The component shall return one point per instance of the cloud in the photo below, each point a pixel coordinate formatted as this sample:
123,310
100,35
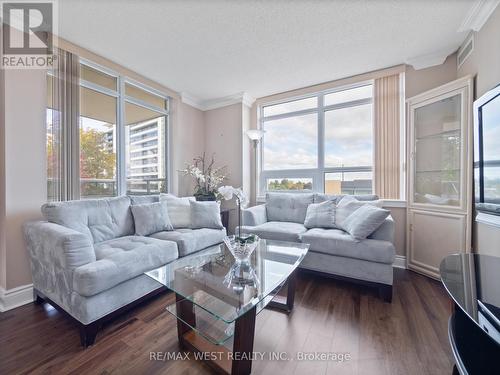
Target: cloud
292,143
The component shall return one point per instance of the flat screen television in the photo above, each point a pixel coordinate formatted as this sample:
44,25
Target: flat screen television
487,152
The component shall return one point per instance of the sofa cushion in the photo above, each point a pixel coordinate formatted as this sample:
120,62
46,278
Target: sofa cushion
318,198
191,240
179,210
287,206
100,219
320,215
205,215
144,199
151,218
364,221
121,259
347,205
276,230
337,242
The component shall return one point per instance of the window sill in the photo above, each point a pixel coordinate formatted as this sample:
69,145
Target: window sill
387,203
488,219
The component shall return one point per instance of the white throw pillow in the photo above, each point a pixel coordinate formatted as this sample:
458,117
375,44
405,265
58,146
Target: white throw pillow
320,215
205,215
179,210
150,218
347,206
364,221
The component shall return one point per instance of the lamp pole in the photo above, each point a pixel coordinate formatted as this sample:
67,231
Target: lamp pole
255,135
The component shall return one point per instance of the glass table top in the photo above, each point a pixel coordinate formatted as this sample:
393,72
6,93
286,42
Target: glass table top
222,290
473,281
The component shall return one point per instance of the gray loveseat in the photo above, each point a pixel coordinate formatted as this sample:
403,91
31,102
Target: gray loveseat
86,260
332,252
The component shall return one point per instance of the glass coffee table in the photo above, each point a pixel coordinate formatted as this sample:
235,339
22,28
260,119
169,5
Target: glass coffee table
217,299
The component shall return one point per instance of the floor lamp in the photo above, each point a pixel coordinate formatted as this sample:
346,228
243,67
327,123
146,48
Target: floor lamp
255,135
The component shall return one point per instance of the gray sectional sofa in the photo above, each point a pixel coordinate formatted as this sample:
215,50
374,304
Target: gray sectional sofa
332,252
87,261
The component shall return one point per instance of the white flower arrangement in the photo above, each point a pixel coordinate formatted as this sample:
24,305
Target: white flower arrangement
206,175
227,193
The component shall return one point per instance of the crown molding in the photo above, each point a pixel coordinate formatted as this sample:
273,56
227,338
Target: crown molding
191,100
207,105
241,97
478,14
428,60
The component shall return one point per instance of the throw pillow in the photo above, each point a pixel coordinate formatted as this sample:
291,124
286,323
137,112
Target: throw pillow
320,215
179,210
364,221
151,218
347,205
205,215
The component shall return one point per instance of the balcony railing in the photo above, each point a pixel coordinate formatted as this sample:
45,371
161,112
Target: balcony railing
103,187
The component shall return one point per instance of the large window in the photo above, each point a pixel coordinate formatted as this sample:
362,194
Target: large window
122,137
320,143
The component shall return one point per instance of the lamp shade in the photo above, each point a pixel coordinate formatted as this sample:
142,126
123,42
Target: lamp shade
255,134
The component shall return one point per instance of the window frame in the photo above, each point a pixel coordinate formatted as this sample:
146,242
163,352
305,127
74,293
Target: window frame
119,94
317,174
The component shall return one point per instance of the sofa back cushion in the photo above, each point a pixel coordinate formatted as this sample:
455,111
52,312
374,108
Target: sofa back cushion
318,198
321,215
144,199
179,210
99,219
151,218
364,221
347,205
287,206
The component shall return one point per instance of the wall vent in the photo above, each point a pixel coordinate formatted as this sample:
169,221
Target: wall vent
465,50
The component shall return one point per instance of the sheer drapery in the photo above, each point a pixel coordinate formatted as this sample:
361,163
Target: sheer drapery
63,127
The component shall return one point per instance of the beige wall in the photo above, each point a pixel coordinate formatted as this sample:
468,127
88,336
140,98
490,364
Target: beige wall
224,130
484,62
25,180
187,141
418,81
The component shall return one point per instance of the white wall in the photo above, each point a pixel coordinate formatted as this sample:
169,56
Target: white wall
24,181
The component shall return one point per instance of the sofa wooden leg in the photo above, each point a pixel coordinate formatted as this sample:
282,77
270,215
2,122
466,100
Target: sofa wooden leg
88,334
385,292
37,299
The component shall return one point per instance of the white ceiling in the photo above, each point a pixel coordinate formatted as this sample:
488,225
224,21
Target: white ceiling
213,49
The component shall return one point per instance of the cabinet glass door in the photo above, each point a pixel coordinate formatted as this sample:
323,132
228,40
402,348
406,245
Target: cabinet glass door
437,152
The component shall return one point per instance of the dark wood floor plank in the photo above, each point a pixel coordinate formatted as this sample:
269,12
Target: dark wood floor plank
405,337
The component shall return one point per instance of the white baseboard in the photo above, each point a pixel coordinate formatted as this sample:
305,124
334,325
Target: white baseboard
15,297
400,261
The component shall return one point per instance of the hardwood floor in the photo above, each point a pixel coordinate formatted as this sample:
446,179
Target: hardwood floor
408,336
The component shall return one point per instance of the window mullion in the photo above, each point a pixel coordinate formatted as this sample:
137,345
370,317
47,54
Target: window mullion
121,173
321,146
